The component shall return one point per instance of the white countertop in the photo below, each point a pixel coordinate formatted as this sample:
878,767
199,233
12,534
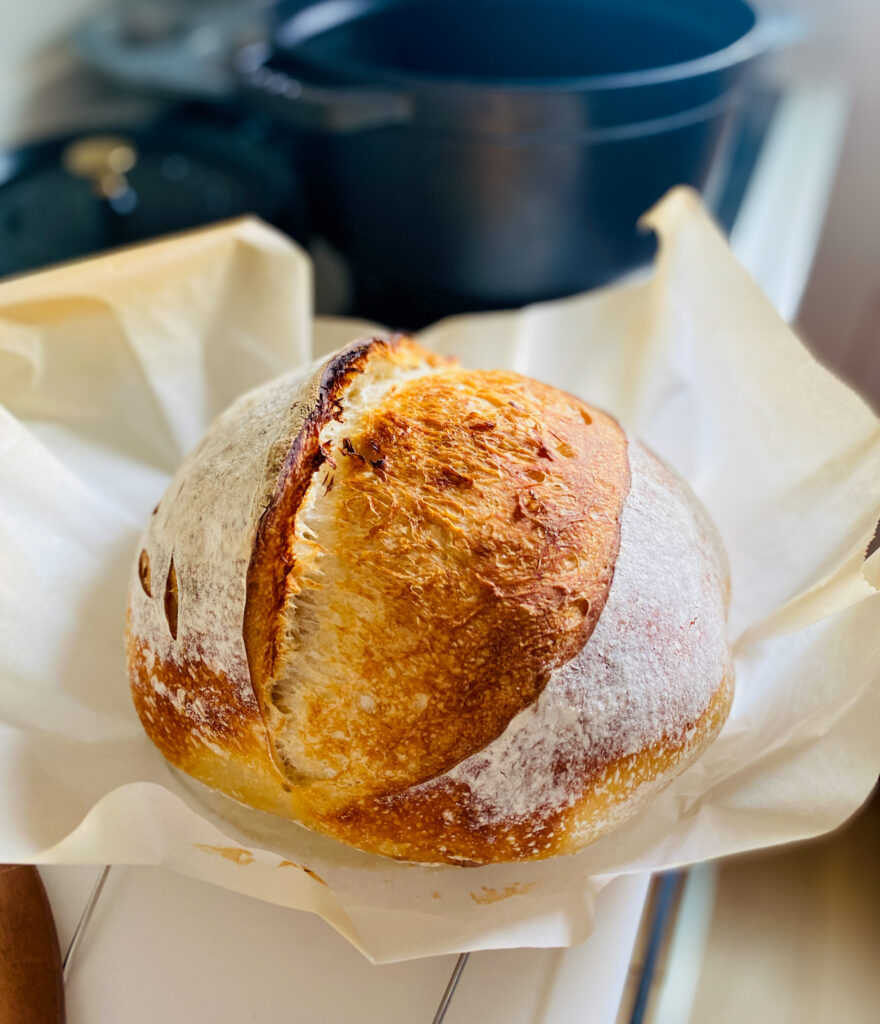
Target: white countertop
164,947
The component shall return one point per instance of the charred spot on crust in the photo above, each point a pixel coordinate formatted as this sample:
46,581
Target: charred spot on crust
171,602
335,410
349,449
144,574
326,452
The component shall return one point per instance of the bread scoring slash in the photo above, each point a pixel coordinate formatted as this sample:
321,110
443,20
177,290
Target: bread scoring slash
442,615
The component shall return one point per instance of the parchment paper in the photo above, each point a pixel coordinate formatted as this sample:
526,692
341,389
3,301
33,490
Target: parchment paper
111,369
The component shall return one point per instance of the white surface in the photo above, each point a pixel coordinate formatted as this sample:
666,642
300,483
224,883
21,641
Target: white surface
165,947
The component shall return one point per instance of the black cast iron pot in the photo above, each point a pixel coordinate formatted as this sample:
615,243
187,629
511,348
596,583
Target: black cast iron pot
491,153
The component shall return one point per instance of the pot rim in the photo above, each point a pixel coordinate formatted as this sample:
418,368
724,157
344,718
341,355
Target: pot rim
768,30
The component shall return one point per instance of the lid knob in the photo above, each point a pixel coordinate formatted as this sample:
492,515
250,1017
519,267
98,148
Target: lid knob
104,160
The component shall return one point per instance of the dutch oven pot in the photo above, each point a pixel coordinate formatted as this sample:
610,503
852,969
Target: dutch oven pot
491,153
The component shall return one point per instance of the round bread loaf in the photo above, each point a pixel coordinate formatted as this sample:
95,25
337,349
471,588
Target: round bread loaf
439,614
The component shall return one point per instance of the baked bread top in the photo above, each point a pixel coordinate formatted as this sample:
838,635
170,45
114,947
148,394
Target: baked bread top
377,599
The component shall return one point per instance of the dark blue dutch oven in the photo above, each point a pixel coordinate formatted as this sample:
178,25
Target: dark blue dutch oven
491,153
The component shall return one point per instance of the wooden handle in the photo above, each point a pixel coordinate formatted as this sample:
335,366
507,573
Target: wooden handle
31,989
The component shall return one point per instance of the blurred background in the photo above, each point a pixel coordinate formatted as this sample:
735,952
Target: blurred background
438,199
440,157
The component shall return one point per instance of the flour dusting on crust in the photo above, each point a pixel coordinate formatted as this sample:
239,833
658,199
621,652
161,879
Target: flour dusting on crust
648,672
210,539
651,685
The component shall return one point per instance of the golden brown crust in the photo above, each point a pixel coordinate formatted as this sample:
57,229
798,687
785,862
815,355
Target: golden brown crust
476,521
524,505
413,825
160,693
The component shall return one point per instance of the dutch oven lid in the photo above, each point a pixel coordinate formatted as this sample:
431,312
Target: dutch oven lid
78,195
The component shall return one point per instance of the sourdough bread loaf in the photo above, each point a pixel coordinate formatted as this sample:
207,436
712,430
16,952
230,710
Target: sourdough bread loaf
442,615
